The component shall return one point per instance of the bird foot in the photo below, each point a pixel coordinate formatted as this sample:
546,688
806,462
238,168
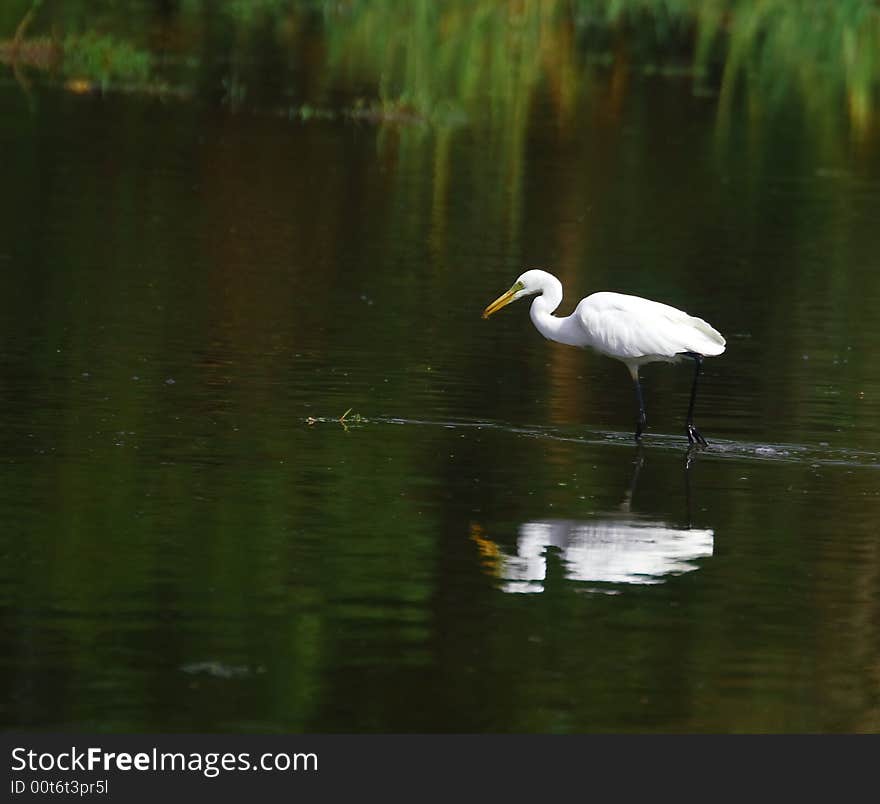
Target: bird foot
641,424
690,457
695,437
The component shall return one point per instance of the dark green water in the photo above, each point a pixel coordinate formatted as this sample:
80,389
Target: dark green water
192,293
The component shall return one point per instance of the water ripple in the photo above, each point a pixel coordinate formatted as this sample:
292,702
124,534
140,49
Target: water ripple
813,454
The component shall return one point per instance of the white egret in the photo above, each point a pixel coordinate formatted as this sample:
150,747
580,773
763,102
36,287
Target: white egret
628,328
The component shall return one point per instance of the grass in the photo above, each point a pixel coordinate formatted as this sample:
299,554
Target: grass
346,419
482,61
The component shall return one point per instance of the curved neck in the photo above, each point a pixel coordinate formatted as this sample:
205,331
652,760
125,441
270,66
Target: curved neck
550,326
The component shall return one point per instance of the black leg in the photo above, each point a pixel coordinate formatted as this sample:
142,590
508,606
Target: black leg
688,462
642,421
694,435
638,463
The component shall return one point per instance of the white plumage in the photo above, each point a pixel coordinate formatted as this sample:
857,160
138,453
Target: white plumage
631,328
628,328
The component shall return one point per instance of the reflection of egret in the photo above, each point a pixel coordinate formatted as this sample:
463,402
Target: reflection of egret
631,329
615,548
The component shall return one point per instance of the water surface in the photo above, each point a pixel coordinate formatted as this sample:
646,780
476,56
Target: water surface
193,292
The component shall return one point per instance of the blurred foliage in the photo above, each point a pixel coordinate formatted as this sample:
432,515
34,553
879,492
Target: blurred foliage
821,51
80,58
482,60
105,59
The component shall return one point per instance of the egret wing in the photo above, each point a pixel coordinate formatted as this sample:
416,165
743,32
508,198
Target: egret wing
630,328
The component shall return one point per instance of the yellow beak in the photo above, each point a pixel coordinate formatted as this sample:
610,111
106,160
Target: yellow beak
502,301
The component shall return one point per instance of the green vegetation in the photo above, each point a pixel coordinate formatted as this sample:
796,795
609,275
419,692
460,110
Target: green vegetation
105,59
823,53
474,60
81,59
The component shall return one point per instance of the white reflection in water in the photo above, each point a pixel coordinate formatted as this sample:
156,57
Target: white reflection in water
614,550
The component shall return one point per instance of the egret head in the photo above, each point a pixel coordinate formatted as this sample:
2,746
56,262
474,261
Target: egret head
528,284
